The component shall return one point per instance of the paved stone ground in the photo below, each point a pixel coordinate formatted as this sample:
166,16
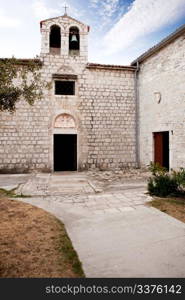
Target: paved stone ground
76,190
112,229
56,184
11,181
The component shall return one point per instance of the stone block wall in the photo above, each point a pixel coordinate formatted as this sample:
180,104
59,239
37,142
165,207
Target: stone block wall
103,110
163,73
107,104
24,138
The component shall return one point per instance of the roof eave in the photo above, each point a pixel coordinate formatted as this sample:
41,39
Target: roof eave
169,39
63,17
110,67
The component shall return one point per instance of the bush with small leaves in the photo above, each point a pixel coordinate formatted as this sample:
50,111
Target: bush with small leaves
29,86
179,176
164,183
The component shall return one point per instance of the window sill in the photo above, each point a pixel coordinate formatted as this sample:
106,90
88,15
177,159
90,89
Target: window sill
65,96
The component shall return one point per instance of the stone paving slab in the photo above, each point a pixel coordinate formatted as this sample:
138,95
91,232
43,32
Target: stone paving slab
129,242
112,245
11,181
114,233
53,185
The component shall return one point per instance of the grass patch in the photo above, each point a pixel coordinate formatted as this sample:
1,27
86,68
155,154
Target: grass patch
8,193
173,206
34,244
12,194
67,251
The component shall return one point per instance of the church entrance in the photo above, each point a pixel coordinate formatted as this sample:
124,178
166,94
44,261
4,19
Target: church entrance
161,148
65,152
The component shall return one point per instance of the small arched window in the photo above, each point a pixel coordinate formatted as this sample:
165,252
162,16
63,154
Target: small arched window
55,39
74,41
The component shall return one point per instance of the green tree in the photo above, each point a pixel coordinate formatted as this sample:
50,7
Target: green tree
19,79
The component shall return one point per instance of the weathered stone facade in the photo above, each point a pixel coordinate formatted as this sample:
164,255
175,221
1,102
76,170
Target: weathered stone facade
114,110
103,109
108,109
162,101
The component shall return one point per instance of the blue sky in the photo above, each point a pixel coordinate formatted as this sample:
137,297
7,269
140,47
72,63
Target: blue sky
121,30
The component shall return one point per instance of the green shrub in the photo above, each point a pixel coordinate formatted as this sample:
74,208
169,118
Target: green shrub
157,169
180,178
163,183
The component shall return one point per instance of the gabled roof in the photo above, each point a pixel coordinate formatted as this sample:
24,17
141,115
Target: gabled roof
64,16
173,36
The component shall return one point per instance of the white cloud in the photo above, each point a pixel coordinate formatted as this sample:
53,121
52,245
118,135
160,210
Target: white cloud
109,7
41,10
94,3
8,22
143,17
105,8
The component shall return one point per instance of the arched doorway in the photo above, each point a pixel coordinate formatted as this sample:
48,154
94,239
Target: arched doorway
65,143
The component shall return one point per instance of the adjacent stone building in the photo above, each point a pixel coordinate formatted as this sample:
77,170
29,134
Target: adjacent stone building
98,116
161,102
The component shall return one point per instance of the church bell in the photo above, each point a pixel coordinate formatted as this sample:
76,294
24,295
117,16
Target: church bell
74,38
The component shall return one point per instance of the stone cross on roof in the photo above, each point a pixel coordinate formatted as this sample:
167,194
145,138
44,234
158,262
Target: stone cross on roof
65,7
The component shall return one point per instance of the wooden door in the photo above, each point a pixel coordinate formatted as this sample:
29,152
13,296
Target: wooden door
158,148
161,148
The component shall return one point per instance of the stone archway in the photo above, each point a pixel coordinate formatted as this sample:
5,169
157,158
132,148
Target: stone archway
65,143
64,121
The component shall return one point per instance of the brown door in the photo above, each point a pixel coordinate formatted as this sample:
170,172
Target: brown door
158,148
161,148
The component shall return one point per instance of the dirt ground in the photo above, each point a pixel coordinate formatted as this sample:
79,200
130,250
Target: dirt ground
34,244
175,207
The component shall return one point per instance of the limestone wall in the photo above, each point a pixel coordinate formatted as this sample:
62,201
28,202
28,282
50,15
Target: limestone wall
108,108
163,73
103,108
24,138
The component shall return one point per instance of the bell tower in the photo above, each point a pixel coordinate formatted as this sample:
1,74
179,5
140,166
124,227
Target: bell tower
65,37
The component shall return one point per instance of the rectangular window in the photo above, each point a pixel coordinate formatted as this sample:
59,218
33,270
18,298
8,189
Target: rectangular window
64,87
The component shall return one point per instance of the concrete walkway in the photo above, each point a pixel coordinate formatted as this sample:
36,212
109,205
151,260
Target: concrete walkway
114,233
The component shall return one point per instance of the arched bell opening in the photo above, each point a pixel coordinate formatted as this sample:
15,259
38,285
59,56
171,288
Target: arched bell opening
74,41
55,40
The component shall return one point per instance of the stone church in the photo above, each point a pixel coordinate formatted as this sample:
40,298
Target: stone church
95,115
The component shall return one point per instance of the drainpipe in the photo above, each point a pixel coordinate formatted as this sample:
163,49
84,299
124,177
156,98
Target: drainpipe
137,125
